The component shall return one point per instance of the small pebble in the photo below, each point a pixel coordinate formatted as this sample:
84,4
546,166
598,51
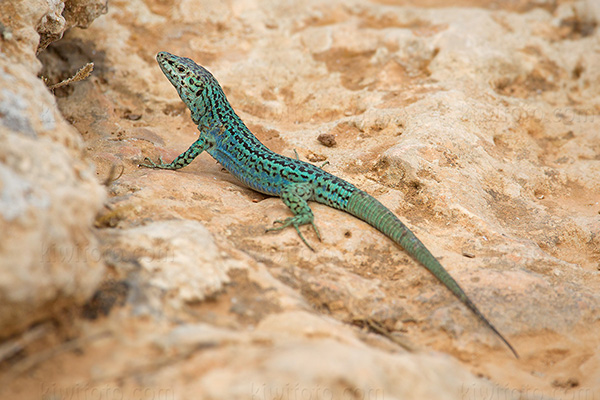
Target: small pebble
327,139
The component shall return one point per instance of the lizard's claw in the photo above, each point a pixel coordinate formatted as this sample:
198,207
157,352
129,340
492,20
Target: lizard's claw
316,231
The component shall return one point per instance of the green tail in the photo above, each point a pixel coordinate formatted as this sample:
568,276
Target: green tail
370,210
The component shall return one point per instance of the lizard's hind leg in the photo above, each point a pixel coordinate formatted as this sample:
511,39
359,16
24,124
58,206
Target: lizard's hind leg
296,196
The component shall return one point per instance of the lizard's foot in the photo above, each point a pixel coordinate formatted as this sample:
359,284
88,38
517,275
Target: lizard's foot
160,164
296,222
296,196
148,163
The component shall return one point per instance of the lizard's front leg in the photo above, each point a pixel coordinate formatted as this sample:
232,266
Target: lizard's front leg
296,196
205,142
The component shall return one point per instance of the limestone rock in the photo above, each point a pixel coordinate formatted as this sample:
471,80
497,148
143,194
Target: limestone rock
174,262
49,195
476,124
63,15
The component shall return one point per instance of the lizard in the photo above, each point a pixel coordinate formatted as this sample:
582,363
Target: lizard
226,138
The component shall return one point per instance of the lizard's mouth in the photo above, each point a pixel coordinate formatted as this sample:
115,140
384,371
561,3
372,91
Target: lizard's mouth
167,62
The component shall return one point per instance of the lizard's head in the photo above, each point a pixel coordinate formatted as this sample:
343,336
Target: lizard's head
196,86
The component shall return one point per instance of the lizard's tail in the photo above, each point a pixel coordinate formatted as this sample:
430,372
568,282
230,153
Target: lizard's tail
364,206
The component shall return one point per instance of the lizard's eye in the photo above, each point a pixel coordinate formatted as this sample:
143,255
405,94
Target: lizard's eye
180,69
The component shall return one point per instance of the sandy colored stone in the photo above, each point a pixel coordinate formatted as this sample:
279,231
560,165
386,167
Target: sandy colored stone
477,124
49,195
342,371
63,15
176,262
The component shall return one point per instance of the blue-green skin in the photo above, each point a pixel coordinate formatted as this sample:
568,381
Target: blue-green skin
227,139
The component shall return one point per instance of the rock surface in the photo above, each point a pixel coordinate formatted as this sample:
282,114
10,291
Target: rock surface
49,195
479,125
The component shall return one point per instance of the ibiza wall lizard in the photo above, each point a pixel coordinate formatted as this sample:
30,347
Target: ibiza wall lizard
226,138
